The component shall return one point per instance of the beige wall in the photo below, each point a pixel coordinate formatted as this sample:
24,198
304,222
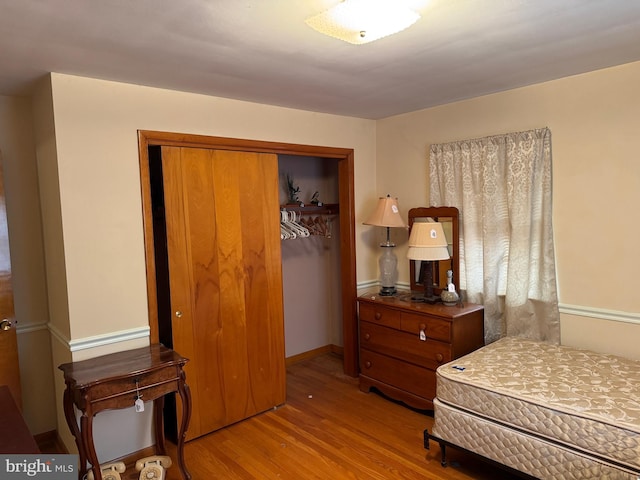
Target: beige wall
594,123
99,209
27,259
95,124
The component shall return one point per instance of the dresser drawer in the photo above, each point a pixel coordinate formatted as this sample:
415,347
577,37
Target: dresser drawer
379,314
434,327
404,346
396,373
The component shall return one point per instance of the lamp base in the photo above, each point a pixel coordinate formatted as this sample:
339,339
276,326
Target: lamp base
388,274
426,299
387,291
428,296
432,299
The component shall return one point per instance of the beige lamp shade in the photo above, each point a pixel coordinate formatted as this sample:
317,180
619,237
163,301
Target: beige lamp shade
427,242
386,214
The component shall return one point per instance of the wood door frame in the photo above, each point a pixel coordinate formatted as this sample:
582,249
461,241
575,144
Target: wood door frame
345,157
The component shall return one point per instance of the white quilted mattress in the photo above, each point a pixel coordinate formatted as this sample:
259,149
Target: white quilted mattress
579,400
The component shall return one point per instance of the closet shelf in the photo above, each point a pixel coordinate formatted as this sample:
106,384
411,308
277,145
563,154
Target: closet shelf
325,209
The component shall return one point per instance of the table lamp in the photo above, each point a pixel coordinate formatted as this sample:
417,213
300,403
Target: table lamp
387,215
427,242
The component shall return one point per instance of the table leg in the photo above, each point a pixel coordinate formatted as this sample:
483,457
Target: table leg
72,422
185,396
158,407
86,429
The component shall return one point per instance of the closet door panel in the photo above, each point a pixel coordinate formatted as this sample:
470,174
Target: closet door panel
183,284
224,248
263,295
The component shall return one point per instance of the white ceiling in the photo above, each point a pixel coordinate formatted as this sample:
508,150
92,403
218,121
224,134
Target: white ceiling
262,50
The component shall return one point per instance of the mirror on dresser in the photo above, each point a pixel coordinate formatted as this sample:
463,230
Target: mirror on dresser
448,217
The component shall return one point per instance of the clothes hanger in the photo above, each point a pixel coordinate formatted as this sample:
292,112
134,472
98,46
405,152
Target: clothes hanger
285,232
293,225
304,231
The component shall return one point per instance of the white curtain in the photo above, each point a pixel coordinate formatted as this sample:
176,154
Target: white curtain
502,187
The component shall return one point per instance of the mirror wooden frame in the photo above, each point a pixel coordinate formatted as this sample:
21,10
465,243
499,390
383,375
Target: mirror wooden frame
439,279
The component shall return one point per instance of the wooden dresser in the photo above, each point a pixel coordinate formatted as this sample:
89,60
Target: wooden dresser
402,342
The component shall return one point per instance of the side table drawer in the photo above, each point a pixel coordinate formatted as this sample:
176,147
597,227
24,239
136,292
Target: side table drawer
433,327
404,346
128,400
380,315
122,392
411,378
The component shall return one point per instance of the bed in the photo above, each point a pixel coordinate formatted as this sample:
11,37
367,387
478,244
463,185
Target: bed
546,411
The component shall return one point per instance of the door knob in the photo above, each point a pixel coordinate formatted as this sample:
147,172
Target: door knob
179,314
6,324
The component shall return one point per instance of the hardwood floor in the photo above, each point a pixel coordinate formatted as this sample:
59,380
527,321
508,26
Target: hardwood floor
328,429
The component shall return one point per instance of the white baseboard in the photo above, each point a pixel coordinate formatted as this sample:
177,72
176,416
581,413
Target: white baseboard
33,327
601,313
100,340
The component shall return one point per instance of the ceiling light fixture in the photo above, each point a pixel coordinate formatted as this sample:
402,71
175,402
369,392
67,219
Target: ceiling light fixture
363,21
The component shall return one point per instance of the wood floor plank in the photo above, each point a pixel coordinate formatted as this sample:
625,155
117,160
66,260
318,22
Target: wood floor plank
328,430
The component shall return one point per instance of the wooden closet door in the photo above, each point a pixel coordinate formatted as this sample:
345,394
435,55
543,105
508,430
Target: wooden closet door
223,242
9,365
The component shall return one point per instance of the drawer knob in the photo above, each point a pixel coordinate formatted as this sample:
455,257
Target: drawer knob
439,357
378,315
367,364
367,336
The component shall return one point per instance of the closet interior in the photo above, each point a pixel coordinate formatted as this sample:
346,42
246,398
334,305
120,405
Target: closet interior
311,262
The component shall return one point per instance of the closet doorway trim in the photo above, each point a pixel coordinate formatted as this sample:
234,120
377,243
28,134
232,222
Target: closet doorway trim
345,157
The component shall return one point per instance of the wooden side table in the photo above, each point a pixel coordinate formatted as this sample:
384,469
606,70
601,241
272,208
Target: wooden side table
115,381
